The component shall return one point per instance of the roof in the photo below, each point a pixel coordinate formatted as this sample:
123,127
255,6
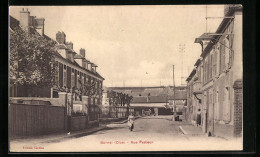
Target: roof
148,91
191,75
204,36
179,95
15,23
61,46
197,62
150,99
139,100
77,56
158,99
222,27
77,65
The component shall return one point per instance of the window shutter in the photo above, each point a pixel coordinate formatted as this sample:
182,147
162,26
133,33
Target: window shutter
231,51
220,102
72,79
217,106
226,114
220,58
223,57
75,78
61,74
56,73
69,77
227,51
217,59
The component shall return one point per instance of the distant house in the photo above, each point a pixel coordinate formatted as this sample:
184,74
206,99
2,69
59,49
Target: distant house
158,100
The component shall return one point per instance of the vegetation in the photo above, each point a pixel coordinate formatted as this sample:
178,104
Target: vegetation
31,59
119,99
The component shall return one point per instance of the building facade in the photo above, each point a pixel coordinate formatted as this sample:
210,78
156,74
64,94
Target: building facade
155,100
73,70
215,83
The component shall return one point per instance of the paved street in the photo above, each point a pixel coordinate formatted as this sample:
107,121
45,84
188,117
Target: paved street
150,134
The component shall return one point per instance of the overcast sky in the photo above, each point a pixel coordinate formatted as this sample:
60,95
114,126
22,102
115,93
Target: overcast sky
133,44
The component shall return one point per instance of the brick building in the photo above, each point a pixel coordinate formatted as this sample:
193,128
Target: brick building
215,85
74,70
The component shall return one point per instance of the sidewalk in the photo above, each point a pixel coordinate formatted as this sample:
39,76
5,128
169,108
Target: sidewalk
191,130
60,136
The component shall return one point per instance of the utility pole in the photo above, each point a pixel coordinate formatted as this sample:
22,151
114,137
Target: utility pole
174,105
182,50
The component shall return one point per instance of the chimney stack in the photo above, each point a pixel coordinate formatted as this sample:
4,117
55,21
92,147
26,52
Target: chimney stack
39,24
25,19
70,45
82,52
61,37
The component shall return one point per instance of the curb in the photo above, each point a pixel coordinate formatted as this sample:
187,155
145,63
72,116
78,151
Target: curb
182,130
87,132
76,135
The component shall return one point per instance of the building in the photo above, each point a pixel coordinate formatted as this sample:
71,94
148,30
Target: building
155,100
74,70
215,85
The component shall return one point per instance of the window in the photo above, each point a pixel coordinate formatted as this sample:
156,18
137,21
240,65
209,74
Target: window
227,53
57,73
72,79
230,51
226,103
217,105
214,71
221,58
206,68
65,76
210,65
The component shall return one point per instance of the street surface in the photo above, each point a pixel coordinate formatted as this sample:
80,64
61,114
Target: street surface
149,134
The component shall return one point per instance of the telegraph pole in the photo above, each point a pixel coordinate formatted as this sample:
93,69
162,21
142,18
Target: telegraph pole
182,50
174,105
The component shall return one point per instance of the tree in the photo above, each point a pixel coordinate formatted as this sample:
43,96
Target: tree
32,62
128,101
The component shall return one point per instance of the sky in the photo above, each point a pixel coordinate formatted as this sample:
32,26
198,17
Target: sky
133,45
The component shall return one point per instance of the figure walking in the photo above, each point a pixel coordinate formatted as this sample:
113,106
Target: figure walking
131,122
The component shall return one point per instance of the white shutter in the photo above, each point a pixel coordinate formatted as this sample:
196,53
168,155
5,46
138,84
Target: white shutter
227,54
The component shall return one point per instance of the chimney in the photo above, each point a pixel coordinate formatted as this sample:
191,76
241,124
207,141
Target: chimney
70,45
39,25
61,37
25,19
82,52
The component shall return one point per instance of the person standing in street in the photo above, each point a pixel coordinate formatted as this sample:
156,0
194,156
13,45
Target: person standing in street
131,122
198,120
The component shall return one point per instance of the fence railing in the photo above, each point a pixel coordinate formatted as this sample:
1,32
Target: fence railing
117,112
31,119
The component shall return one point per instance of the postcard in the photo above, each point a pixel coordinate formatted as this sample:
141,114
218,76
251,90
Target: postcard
125,78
